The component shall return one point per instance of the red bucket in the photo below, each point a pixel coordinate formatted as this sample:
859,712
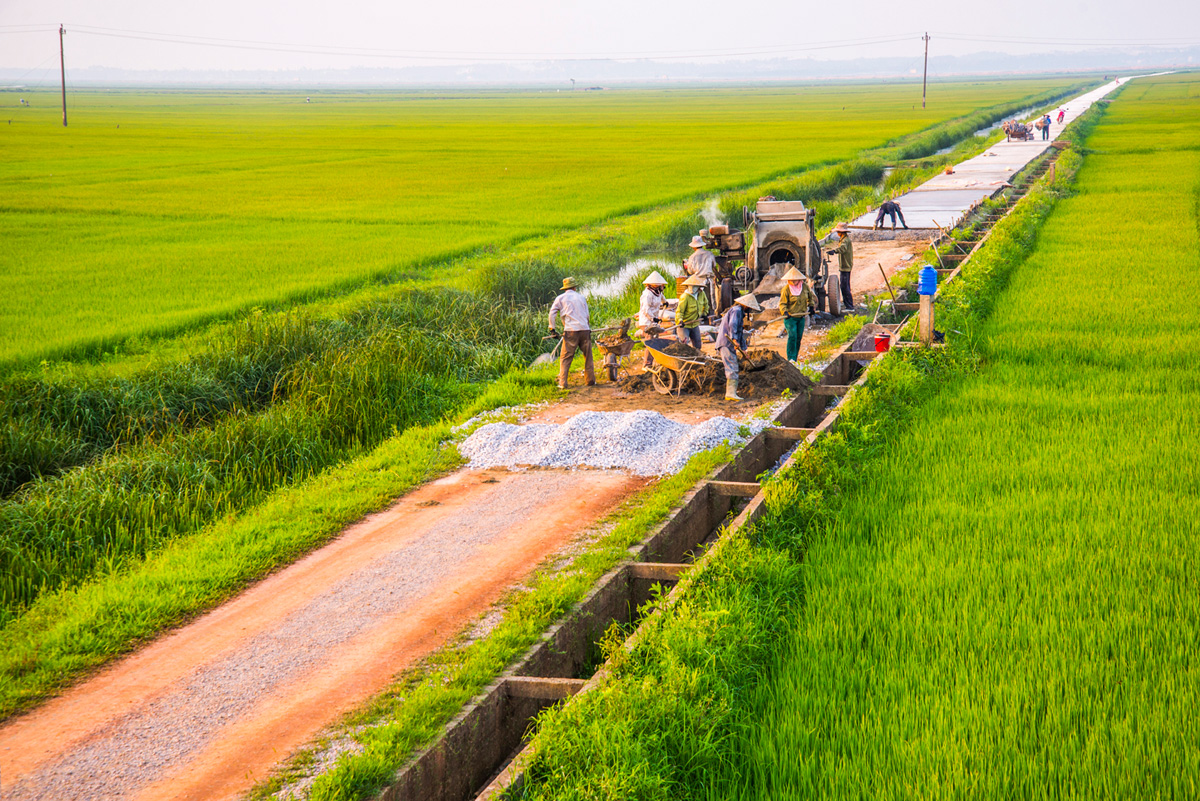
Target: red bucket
883,342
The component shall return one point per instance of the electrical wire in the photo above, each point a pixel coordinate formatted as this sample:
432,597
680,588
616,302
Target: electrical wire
446,55
1064,41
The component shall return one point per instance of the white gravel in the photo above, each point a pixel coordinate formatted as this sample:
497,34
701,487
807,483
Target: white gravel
643,442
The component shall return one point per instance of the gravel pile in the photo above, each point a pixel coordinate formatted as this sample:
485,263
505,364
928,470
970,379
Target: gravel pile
643,442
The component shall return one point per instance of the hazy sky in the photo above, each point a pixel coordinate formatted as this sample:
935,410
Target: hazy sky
353,33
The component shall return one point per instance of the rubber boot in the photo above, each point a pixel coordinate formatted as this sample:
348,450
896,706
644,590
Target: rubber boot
731,389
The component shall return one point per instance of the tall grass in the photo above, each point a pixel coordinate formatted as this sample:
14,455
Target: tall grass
338,387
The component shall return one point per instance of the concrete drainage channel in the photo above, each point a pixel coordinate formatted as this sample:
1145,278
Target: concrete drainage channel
478,755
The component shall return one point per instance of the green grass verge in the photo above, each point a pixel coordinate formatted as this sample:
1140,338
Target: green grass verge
679,714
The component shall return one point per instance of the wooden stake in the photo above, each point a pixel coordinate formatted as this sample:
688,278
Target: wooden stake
888,283
925,320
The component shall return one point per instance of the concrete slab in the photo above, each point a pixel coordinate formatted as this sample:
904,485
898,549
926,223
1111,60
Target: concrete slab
945,199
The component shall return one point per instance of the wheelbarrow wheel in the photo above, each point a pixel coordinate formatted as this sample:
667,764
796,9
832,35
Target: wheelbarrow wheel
665,381
612,372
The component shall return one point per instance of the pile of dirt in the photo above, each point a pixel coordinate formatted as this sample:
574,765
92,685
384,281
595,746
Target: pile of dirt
765,374
682,350
614,340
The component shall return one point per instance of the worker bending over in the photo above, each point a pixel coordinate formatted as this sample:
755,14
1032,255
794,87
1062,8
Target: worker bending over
890,208
577,333
845,255
653,309
795,303
731,336
689,311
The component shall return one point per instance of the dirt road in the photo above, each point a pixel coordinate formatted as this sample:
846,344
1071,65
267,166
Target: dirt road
206,711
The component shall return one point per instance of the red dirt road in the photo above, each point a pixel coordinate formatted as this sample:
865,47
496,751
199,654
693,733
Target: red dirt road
206,711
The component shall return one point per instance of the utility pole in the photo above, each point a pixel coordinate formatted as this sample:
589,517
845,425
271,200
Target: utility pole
62,63
924,76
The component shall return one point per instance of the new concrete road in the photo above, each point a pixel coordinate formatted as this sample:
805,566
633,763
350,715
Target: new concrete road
945,199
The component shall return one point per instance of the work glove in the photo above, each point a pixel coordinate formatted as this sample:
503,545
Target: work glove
553,332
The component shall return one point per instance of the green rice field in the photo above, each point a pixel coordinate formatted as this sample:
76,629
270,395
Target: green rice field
1006,602
154,211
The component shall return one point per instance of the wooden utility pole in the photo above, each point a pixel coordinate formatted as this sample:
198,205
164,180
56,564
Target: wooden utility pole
62,63
925,73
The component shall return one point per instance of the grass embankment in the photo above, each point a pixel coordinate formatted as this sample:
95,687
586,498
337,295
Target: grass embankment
993,577
200,204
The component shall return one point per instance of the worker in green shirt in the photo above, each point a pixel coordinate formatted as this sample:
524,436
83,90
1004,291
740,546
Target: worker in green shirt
795,303
845,255
689,311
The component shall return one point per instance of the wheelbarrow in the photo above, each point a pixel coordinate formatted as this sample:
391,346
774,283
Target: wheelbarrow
670,374
613,353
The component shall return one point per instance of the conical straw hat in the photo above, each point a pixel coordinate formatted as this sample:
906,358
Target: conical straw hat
654,278
750,302
793,275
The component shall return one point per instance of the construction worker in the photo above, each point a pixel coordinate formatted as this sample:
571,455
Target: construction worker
689,311
653,309
700,258
731,336
845,254
890,208
703,263
577,333
796,302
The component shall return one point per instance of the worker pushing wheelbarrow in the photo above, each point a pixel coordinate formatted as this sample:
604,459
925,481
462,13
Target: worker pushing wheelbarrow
616,348
671,374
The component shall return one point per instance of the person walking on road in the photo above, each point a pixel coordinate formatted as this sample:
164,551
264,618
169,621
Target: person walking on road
689,312
577,332
845,255
890,208
731,336
1046,127
795,302
652,310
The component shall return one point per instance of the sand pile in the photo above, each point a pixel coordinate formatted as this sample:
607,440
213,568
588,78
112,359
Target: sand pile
642,442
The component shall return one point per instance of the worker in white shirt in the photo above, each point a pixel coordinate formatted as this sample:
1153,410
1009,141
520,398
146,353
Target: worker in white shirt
577,332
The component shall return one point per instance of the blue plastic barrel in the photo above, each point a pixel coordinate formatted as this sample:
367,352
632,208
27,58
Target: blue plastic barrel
927,281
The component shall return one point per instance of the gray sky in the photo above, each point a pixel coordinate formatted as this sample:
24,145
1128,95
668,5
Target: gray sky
354,33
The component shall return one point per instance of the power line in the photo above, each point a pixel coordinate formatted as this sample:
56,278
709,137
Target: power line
1036,40
449,55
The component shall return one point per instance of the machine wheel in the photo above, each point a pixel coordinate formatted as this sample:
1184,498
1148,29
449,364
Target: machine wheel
665,381
833,290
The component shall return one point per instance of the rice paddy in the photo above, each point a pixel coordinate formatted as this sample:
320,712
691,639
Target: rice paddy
155,211
1005,605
